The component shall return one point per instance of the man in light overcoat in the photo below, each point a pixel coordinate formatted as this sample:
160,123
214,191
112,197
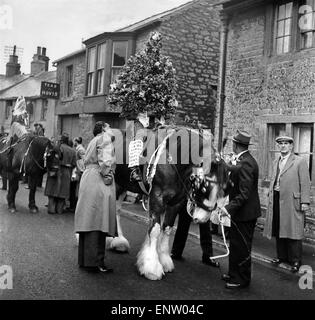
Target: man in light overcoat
289,199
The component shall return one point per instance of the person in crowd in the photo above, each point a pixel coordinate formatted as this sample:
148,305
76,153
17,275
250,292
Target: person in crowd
76,173
244,209
39,129
95,214
289,199
58,186
181,235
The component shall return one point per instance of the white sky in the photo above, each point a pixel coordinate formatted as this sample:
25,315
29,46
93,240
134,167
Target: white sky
60,25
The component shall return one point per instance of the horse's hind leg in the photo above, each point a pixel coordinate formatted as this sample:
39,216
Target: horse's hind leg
31,198
164,239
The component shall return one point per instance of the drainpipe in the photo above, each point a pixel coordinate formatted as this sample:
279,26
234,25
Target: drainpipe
222,70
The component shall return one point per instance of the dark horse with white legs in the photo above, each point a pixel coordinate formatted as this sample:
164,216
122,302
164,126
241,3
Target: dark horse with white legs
167,171
26,155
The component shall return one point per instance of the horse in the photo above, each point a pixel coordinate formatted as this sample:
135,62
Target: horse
25,155
167,174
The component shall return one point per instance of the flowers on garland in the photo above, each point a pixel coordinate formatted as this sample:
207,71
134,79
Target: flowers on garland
146,83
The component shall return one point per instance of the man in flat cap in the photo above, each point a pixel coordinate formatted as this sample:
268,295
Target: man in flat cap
289,199
244,209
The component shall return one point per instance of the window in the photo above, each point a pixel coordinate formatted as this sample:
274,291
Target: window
8,108
307,24
294,26
274,131
44,109
101,51
302,134
30,110
69,81
119,58
284,27
91,71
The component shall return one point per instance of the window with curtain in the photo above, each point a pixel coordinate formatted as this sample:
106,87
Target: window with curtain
283,36
303,142
91,70
119,58
101,52
307,23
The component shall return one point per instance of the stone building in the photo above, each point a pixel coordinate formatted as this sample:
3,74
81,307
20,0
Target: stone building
268,81
190,38
13,85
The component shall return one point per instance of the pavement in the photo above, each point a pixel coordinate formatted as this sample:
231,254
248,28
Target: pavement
264,250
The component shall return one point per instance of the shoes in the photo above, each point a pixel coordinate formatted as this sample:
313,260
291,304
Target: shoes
105,269
295,267
177,257
99,269
225,277
135,174
209,262
235,286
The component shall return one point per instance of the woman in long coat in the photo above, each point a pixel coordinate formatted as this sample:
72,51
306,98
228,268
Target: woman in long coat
95,215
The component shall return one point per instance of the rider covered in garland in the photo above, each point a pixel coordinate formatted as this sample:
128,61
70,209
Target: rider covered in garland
145,92
19,121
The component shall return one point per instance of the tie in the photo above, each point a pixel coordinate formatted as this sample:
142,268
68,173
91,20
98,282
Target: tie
281,164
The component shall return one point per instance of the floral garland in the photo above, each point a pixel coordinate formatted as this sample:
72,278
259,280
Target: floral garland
146,83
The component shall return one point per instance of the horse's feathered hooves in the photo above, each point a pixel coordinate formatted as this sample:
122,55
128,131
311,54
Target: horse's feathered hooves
148,263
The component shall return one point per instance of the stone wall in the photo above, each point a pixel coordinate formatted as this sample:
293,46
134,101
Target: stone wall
191,40
73,104
259,86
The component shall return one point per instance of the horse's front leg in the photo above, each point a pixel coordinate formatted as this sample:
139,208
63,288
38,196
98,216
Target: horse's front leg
32,181
164,239
13,188
148,262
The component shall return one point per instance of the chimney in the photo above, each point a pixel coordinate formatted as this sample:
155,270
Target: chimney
40,61
13,67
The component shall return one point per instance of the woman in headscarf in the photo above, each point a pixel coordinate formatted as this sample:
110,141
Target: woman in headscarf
95,215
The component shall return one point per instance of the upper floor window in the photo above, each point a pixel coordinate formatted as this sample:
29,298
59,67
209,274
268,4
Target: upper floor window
119,58
101,51
91,70
284,27
69,80
8,108
307,23
44,109
294,25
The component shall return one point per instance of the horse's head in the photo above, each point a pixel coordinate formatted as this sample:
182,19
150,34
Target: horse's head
208,189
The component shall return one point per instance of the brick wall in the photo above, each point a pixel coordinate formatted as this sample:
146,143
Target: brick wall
191,40
258,85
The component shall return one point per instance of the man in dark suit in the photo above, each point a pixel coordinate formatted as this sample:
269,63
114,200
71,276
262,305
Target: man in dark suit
244,209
